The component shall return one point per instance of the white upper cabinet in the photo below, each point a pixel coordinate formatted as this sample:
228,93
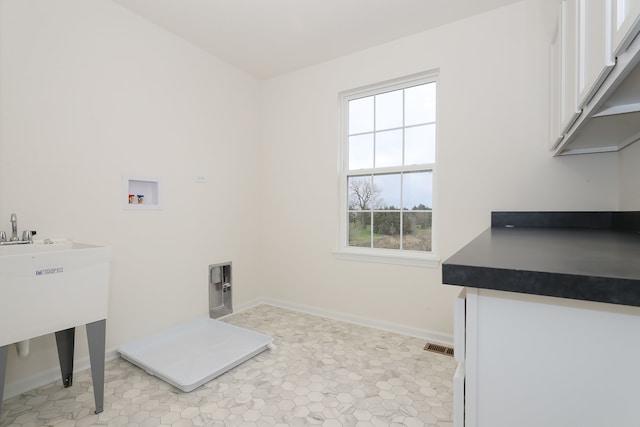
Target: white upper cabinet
563,62
555,94
569,28
595,59
625,24
595,76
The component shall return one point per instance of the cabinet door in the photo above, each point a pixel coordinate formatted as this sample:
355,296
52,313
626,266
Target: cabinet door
550,362
458,396
459,347
460,326
569,73
595,58
555,85
625,24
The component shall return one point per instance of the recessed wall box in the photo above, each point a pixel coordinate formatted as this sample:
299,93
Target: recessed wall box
140,193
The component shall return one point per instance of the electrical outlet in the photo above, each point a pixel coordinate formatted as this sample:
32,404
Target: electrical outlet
201,179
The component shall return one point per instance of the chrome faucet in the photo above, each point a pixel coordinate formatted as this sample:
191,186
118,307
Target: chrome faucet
14,228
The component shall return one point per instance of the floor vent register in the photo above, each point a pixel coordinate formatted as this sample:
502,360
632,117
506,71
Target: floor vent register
440,349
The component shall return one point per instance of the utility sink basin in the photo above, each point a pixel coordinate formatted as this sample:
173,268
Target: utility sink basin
51,287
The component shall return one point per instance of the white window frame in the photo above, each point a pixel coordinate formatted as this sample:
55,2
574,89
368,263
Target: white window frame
391,256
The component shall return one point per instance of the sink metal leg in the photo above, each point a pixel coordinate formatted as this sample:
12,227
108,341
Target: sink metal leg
3,370
66,341
96,336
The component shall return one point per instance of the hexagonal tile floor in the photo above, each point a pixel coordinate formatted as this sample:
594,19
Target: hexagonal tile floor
322,372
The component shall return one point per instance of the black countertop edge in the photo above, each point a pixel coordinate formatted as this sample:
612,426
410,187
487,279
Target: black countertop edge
590,256
578,287
622,221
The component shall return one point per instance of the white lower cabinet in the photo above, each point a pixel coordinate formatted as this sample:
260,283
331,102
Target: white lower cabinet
541,361
459,352
458,396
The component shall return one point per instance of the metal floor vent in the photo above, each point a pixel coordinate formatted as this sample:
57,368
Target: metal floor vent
441,349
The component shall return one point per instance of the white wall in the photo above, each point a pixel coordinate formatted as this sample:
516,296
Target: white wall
492,155
630,177
91,92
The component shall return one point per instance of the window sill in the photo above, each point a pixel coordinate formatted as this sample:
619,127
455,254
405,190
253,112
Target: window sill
388,257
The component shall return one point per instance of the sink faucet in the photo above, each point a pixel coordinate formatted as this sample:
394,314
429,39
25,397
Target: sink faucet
14,228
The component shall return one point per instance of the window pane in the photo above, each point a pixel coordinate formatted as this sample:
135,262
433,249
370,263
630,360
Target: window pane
416,234
391,157
420,145
361,115
362,193
417,190
360,229
386,230
361,151
420,104
389,148
387,189
389,110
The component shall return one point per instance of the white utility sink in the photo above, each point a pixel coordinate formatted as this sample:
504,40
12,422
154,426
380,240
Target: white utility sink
46,288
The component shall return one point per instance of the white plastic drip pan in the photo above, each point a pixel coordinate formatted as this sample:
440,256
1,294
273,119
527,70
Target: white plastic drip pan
192,354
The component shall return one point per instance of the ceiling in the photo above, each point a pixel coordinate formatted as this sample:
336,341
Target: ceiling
270,37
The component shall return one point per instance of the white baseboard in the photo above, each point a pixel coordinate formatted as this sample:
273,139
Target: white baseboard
51,375
425,334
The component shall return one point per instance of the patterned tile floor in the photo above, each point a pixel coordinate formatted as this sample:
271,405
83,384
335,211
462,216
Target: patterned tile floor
322,372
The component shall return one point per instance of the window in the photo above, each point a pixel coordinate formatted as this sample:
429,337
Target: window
388,165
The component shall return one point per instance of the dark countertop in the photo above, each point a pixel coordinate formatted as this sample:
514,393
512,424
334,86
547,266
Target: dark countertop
593,256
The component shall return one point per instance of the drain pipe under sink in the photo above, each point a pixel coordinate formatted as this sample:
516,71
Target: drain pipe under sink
22,347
